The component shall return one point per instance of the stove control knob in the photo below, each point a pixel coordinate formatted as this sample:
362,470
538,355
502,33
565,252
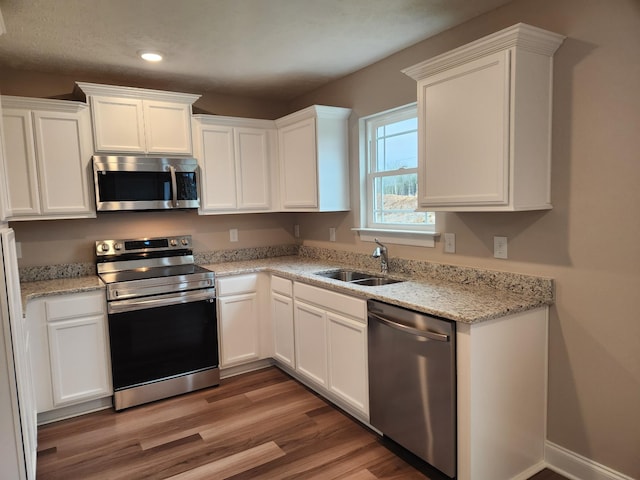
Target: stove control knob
185,241
173,242
117,246
104,247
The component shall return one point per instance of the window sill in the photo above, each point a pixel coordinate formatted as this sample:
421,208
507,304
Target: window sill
398,237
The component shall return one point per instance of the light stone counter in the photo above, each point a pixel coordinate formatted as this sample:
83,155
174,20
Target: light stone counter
58,286
463,294
463,302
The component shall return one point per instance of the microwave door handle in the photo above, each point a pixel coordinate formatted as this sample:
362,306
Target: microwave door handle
174,186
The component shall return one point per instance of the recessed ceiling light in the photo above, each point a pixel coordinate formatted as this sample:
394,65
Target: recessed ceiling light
151,56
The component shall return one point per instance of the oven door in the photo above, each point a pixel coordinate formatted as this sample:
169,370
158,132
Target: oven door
162,337
132,183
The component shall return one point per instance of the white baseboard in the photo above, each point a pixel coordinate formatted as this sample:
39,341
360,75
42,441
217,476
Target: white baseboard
227,372
576,467
531,471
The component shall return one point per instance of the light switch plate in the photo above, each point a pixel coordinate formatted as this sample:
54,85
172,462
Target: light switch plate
500,247
233,235
332,234
450,243
296,230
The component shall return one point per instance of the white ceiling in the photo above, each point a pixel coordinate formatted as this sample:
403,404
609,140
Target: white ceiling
262,48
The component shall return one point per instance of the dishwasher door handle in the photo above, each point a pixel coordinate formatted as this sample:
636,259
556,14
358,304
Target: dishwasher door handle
440,337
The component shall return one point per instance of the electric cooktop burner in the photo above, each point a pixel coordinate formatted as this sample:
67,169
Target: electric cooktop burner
153,272
149,266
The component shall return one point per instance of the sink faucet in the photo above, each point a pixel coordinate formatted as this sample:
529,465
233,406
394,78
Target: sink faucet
381,252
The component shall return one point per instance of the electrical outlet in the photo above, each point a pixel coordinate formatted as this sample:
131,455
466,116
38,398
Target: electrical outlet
296,230
19,250
450,243
233,235
332,234
500,247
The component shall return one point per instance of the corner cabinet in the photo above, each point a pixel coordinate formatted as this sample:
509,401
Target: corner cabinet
484,120
48,155
244,330
237,159
314,159
282,319
137,120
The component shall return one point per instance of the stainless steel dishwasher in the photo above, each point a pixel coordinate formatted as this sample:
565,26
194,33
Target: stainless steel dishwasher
412,382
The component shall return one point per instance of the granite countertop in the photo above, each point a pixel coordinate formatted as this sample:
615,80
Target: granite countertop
58,286
454,293
467,303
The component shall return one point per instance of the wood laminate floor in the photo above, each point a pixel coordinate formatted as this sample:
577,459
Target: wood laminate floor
260,425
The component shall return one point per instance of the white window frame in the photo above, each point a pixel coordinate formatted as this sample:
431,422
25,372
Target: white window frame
419,235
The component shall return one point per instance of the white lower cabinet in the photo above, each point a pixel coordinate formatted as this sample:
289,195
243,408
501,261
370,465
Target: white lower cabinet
239,328
282,321
348,372
243,334
77,373
311,342
70,354
331,345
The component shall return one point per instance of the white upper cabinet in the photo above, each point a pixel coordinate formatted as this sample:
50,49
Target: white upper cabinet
48,155
237,159
136,120
314,159
484,120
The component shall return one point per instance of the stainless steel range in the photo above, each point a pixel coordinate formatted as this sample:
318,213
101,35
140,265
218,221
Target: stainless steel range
162,318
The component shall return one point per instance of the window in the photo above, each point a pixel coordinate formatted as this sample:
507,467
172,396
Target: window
391,152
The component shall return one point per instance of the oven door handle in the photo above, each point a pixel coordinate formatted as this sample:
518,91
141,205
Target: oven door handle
131,304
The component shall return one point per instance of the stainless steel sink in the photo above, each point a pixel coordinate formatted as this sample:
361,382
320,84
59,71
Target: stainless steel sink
375,281
357,278
345,275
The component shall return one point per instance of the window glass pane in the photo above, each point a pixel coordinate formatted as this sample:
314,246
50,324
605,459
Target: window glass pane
395,199
402,126
401,151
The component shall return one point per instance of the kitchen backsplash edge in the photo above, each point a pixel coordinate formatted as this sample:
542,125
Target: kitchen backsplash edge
541,287
72,270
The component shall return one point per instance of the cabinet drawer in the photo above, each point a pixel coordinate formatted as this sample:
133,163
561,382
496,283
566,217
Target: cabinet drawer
237,284
76,305
282,286
353,307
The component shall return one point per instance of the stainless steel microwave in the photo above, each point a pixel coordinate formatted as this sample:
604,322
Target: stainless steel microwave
145,183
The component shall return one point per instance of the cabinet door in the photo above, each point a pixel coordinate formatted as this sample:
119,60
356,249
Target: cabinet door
464,134
167,127
78,350
22,177
239,328
311,342
217,163
252,167
118,124
298,167
282,314
63,152
348,377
